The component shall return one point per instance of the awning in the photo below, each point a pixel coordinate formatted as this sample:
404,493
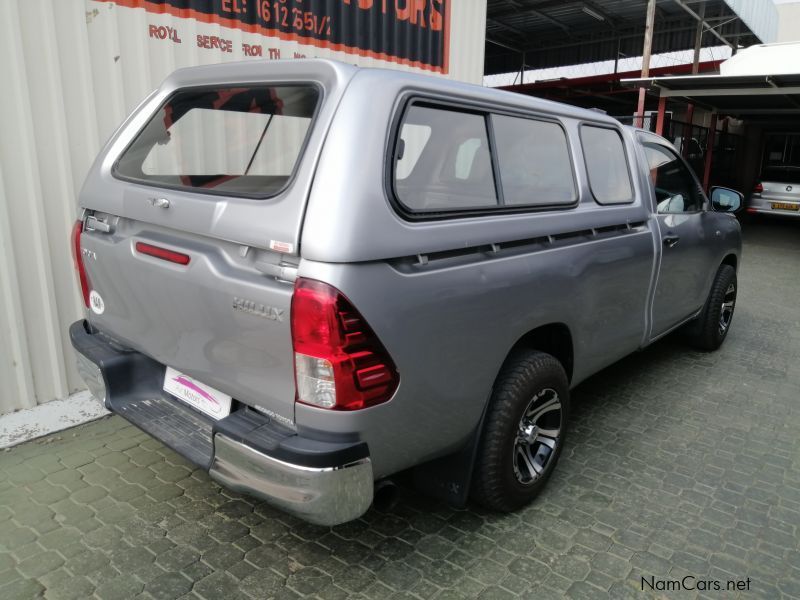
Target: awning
738,96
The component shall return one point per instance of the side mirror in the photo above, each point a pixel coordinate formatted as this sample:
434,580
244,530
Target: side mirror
726,200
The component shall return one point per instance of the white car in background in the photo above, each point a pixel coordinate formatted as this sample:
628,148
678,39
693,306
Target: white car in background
777,192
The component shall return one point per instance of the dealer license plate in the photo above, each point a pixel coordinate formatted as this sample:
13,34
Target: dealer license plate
785,206
198,395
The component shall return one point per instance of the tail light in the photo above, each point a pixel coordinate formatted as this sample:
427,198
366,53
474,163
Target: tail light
340,363
77,259
758,188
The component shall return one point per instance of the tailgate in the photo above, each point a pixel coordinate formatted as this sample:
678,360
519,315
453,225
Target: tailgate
223,318
216,170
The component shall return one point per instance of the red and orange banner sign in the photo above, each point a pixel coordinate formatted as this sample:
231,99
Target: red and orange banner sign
410,32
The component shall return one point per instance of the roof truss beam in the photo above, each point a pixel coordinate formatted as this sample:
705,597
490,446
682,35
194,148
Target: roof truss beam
502,44
755,91
506,26
760,111
706,26
534,10
607,38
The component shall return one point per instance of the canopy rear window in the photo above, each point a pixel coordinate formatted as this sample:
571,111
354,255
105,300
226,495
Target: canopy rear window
242,141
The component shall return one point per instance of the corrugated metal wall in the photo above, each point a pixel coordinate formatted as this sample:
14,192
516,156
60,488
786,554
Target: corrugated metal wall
761,16
71,71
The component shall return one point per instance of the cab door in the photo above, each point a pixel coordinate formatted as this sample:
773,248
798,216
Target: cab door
681,213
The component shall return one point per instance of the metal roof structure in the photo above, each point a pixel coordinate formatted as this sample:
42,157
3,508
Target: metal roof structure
602,91
758,98
552,33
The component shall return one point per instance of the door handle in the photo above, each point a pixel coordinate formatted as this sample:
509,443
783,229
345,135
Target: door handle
671,240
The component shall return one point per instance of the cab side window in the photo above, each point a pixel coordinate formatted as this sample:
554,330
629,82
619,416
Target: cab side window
606,165
675,188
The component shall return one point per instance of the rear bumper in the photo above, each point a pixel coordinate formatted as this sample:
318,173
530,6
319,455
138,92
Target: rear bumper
323,482
761,205
322,495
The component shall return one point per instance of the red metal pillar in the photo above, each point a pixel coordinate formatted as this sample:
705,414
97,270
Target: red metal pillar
712,130
662,109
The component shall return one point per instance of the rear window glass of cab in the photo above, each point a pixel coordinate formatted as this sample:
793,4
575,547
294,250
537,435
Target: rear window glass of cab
243,141
450,159
606,165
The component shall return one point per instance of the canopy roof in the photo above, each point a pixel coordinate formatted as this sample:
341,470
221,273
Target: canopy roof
552,33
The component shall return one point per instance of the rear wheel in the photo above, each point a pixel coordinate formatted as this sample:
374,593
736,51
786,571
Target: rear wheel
712,326
524,431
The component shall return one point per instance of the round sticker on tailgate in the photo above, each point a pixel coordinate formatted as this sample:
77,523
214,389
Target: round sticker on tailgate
96,302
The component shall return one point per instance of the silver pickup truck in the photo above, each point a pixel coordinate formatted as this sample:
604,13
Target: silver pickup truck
307,278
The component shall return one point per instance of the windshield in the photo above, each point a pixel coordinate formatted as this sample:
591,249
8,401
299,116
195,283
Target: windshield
233,140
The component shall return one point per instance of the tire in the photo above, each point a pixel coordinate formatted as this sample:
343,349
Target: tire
711,328
530,383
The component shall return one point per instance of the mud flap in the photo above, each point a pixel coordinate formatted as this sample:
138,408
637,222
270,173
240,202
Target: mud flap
449,478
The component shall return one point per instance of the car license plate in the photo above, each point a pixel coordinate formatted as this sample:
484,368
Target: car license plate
198,395
785,206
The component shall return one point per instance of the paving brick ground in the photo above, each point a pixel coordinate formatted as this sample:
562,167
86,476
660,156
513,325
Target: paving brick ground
679,463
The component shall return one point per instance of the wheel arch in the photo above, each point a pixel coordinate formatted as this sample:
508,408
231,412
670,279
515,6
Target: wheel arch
732,260
450,477
554,339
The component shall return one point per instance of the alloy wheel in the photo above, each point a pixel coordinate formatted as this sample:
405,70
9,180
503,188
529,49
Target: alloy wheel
726,310
538,436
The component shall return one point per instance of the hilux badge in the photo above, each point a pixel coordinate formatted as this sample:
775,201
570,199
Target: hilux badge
257,309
